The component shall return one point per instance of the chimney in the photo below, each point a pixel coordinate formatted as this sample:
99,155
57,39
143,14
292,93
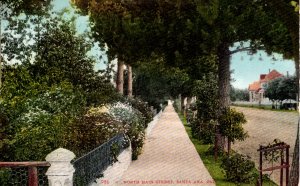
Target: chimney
287,74
262,76
269,70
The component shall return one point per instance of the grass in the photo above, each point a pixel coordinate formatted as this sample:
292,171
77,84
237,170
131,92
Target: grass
213,167
263,107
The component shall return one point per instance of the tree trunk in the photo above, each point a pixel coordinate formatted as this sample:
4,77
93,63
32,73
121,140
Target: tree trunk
182,104
224,75
296,56
229,146
188,102
120,77
129,91
223,84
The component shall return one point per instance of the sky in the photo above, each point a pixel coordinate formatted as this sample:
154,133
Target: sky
245,68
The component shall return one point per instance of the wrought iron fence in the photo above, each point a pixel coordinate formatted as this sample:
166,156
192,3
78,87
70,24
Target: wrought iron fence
91,166
24,173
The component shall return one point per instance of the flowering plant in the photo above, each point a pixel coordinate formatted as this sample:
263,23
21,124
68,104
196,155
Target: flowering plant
134,124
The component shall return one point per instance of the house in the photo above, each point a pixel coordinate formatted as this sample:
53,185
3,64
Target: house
257,88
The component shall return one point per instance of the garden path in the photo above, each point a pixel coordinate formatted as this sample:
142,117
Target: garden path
168,157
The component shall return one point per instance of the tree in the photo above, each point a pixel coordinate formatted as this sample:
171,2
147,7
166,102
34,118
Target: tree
129,90
271,91
239,94
206,91
281,89
9,8
154,82
25,6
287,88
231,126
56,55
239,21
188,29
113,26
289,17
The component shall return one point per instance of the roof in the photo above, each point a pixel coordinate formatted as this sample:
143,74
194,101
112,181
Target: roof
256,86
273,75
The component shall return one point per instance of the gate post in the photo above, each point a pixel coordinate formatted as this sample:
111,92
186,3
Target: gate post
61,170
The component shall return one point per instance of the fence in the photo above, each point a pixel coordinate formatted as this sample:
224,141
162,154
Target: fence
90,166
87,168
23,173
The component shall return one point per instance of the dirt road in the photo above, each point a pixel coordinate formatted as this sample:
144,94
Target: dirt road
263,127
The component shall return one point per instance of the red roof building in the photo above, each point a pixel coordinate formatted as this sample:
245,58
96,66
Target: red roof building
257,88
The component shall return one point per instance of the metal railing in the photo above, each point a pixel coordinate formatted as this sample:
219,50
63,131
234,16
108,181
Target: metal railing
91,166
23,173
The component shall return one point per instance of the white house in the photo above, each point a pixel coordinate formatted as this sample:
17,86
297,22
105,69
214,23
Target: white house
257,88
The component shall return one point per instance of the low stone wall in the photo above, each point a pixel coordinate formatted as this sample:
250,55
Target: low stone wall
152,124
114,173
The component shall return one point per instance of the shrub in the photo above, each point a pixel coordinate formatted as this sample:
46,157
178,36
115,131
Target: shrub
176,105
134,122
231,125
239,169
203,131
90,131
211,151
37,124
206,91
143,108
35,139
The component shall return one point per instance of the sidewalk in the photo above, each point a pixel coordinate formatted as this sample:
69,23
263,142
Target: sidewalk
168,157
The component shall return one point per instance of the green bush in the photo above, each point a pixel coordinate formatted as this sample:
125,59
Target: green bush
176,105
37,124
211,151
207,104
143,108
134,123
203,131
136,135
239,169
90,131
231,125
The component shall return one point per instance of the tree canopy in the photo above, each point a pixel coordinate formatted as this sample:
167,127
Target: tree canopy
282,89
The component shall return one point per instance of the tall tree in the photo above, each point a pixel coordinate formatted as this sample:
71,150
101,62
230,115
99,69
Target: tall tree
188,29
56,55
129,90
155,82
113,26
9,8
120,77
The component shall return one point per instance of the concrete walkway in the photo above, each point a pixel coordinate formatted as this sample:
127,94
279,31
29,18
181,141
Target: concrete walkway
168,157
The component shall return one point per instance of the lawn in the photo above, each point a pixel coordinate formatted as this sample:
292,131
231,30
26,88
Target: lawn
263,107
209,162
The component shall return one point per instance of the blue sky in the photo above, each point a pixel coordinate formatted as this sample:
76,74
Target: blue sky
246,68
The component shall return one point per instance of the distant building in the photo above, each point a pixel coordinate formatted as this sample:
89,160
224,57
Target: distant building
257,88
